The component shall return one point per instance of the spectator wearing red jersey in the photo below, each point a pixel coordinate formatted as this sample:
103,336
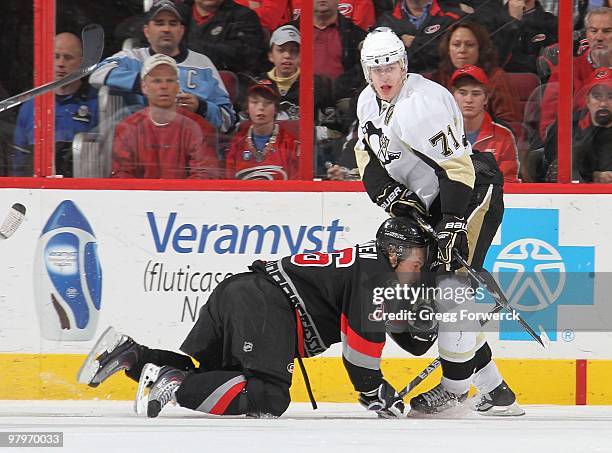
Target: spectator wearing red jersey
468,43
469,88
272,13
361,12
598,25
163,141
264,148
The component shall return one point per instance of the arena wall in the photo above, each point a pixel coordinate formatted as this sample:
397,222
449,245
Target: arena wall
161,253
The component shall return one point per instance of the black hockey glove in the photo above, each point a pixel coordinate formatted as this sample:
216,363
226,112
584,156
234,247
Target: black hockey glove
383,400
397,200
452,234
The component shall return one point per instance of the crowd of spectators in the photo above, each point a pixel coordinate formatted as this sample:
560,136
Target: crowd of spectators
213,89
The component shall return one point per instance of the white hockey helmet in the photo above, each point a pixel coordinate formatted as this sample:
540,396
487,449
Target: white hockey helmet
382,47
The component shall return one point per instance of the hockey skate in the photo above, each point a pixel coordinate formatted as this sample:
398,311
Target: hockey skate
436,400
156,388
112,352
500,402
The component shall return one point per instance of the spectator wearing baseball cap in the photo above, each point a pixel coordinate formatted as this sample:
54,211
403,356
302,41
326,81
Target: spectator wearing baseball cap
263,148
591,133
469,88
202,90
164,140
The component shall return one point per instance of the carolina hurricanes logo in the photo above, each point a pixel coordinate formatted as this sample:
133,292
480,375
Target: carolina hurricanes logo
346,9
378,143
263,172
431,29
539,37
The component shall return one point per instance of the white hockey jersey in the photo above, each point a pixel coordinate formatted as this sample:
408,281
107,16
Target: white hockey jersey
419,140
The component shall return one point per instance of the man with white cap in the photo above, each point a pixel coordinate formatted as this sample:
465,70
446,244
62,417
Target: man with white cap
164,140
202,90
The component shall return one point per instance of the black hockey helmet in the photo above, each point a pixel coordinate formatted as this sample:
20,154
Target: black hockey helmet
397,235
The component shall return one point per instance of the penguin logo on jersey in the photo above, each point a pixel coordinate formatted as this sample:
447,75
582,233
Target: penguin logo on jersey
378,143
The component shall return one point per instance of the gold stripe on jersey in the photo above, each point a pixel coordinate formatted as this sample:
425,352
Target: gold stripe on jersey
362,157
475,221
460,169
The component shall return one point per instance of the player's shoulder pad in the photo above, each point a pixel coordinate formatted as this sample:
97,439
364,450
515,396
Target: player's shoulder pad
422,95
366,97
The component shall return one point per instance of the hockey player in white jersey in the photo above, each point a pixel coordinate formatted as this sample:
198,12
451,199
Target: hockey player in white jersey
413,156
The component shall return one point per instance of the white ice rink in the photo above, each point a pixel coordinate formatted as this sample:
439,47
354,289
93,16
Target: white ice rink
111,426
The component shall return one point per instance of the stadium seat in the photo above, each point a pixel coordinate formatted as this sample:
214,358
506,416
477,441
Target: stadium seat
524,83
231,84
87,159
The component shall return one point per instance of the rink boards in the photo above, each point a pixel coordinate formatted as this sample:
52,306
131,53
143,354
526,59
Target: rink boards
159,254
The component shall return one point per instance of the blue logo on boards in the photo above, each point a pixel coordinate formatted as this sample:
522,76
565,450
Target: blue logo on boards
537,274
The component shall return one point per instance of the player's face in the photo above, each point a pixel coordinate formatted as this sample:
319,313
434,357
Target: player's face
471,98
67,54
463,47
261,110
409,270
285,58
164,33
387,80
161,86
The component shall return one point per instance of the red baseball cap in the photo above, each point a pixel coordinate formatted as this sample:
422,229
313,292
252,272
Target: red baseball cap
601,76
265,85
472,71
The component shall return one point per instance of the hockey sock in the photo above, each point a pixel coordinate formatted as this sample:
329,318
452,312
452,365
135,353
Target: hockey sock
214,392
159,357
457,376
488,378
230,393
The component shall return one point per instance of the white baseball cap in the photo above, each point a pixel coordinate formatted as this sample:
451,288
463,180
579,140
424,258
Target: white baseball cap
156,60
284,34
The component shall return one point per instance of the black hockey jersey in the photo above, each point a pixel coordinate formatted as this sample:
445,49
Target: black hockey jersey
333,294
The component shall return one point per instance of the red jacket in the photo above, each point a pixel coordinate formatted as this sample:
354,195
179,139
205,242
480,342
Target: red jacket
361,12
183,148
281,162
583,68
499,140
272,13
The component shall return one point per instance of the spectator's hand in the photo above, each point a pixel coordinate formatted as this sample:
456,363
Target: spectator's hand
337,173
407,39
604,177
467,9
516,8
188,101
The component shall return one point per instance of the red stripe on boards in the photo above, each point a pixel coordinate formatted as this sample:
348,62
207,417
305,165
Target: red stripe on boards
581,382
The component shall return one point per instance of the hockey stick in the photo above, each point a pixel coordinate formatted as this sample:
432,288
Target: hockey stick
12,221
436,362
92,38
487,283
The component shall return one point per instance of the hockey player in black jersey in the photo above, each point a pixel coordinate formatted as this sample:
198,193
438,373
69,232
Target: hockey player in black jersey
255,323
413,157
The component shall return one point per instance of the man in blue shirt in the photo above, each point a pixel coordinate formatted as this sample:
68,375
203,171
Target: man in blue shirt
76,110
202,91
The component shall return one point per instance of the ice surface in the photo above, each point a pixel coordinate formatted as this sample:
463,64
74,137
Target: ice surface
111,426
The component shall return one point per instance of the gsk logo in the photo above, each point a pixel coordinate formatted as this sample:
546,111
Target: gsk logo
536,273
